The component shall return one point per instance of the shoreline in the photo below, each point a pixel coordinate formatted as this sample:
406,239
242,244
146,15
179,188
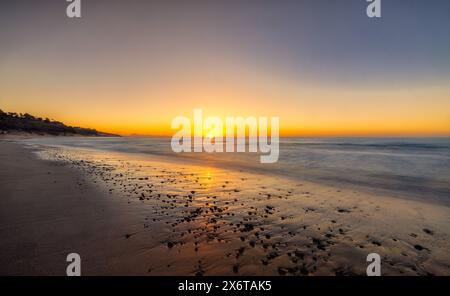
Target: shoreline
426,189
232,223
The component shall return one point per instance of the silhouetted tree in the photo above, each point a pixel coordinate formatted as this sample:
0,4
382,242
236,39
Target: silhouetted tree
28,116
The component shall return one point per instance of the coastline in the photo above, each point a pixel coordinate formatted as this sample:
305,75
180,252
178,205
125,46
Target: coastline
413,168
134,216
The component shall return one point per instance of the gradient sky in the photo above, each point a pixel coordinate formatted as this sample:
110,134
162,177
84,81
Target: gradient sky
322,66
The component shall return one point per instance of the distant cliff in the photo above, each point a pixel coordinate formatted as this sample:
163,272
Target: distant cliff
13,122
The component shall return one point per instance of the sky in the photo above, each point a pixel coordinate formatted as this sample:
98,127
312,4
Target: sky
322,66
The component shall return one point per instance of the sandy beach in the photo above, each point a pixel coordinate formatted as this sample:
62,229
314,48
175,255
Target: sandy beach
136,215
49,211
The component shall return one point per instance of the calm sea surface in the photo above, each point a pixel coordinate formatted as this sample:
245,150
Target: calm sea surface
419,167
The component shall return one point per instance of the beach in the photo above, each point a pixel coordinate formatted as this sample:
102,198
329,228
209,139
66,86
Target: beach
49,211
137,214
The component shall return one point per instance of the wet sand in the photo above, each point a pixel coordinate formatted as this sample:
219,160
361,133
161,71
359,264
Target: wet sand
141,215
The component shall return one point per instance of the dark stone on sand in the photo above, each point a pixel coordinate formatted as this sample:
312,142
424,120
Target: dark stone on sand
303,270
272,255
235,268
344,271
299,255
419,247
342,210
428,231
377,243
282,270
241,250
319,244
247,227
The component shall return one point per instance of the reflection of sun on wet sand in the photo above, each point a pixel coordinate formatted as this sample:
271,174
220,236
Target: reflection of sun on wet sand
203,220
157,217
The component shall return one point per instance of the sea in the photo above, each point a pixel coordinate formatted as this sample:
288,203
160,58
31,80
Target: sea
416,168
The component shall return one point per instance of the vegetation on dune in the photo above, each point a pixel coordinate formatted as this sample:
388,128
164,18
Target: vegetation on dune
18,122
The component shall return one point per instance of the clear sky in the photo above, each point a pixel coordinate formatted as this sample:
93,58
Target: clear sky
322,66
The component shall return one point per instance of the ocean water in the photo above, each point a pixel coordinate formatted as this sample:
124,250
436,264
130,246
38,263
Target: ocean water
410,167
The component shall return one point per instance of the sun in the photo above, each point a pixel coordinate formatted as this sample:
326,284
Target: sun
211,133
